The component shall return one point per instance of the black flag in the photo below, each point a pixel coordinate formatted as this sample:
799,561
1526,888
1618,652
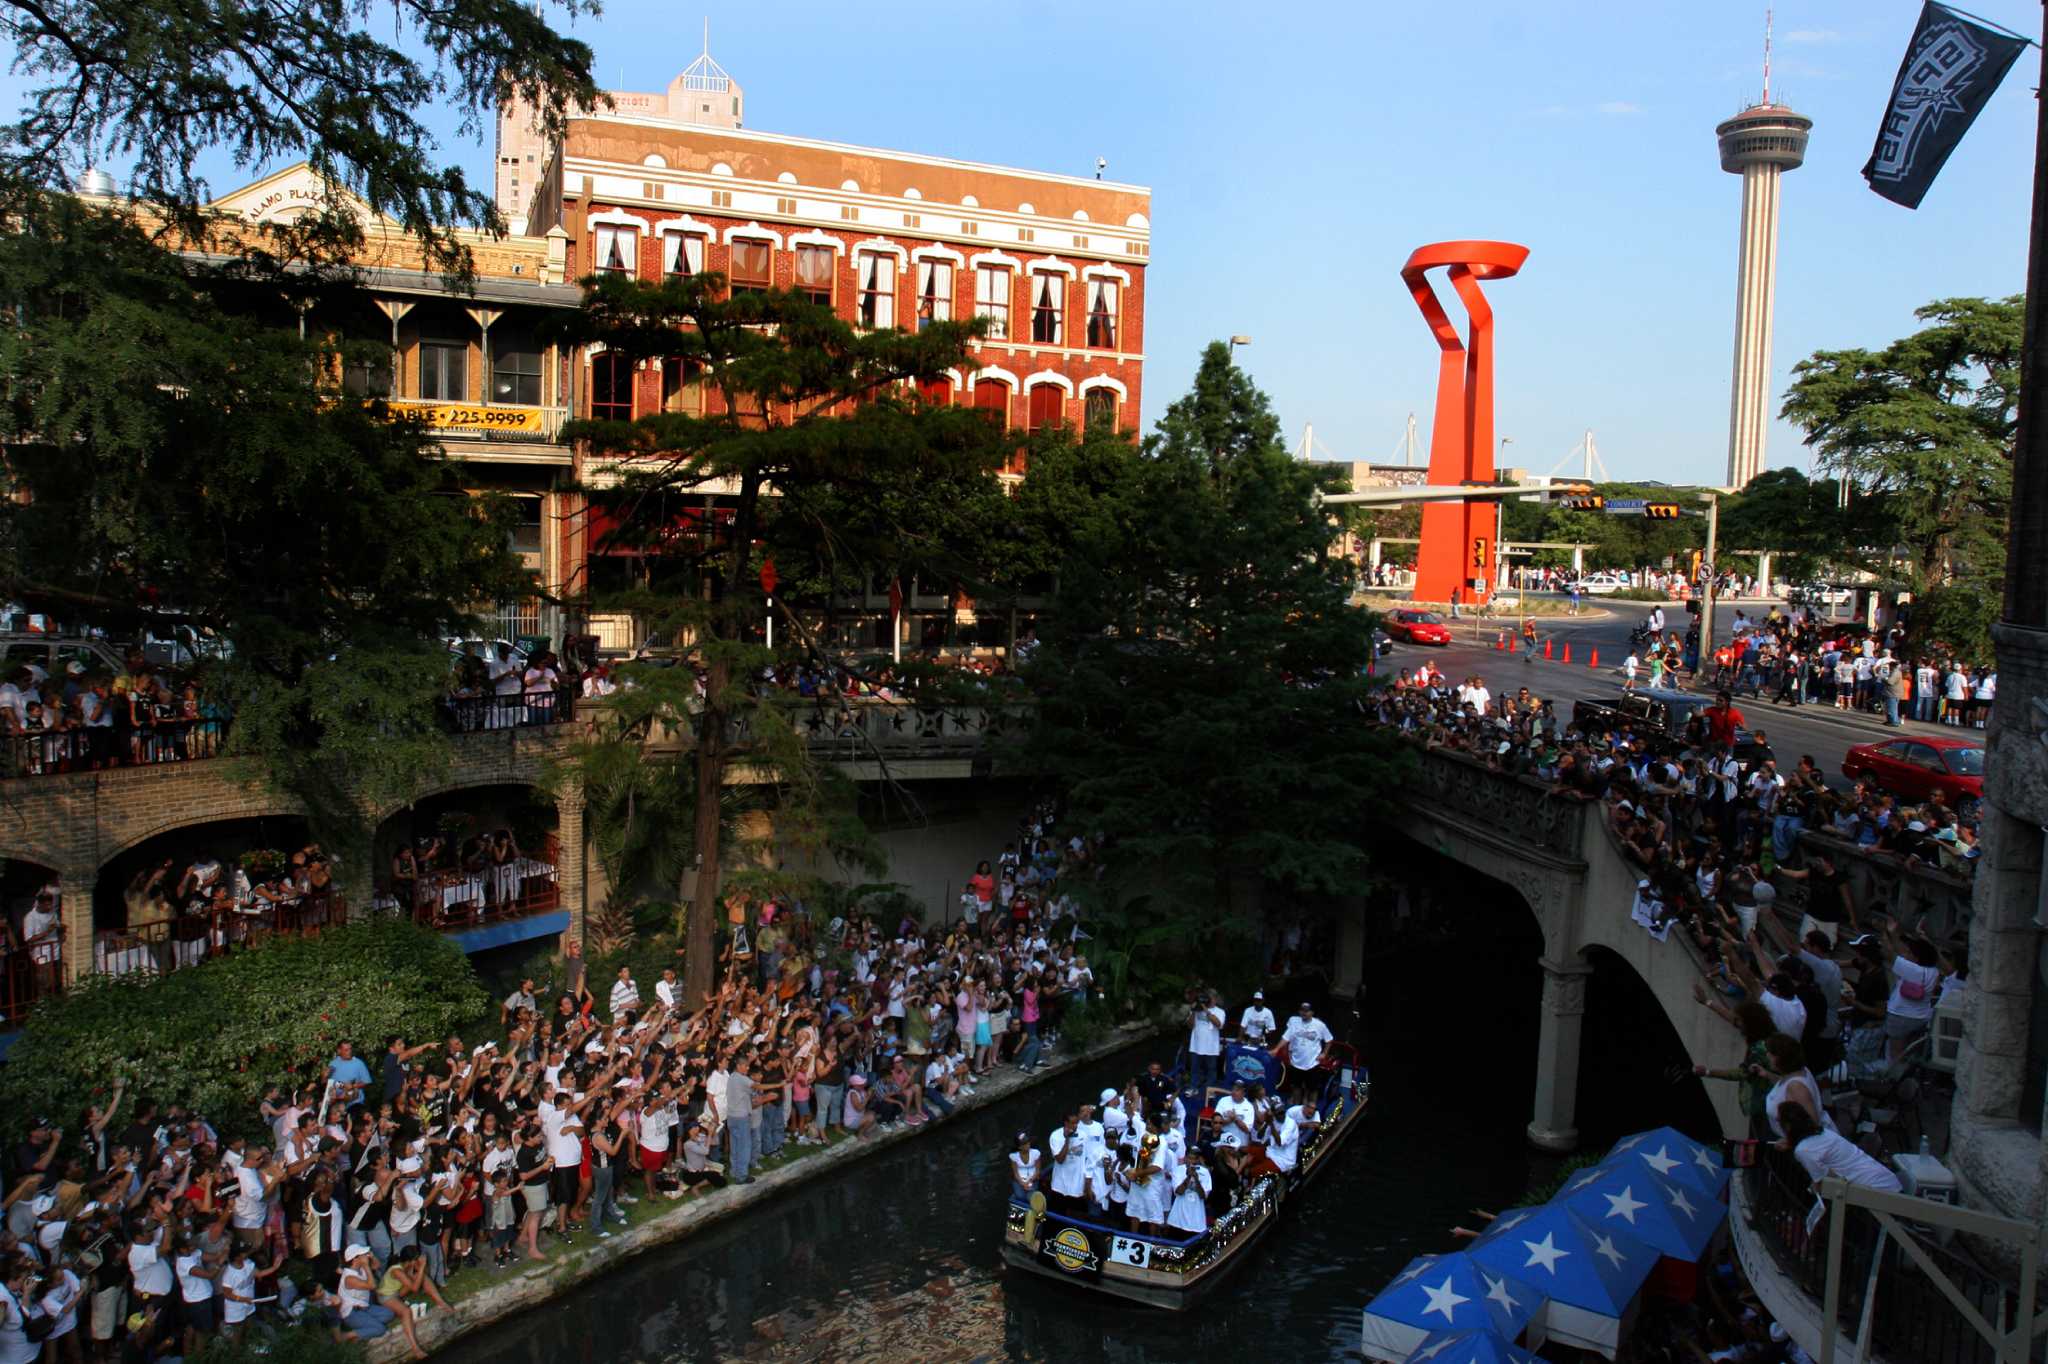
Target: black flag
1950,70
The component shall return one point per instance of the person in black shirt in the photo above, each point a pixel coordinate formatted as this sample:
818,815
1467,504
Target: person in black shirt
534,1168
1155,1085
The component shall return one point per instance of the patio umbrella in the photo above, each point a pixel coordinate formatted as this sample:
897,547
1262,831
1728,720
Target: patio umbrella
1588,1276
1470,1347
1670,1154
1673,1216
1446,1293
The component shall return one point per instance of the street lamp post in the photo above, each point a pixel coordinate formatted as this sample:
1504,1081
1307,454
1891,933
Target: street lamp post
1236,341
1711,570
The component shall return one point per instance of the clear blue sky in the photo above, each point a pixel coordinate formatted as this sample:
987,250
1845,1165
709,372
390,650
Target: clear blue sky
1297,153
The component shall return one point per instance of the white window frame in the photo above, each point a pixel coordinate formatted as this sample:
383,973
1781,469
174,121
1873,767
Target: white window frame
982,302
866,261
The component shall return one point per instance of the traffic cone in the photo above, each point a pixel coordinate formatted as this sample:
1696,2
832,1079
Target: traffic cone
1500,641
1596,660
1567,652
1511,643
1546,650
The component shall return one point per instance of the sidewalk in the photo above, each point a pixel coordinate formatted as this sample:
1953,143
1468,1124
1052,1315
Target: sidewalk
515,1290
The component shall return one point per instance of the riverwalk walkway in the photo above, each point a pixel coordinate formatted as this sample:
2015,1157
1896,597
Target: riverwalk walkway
479,1297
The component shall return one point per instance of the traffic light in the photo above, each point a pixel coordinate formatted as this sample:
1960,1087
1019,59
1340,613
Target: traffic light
1661,511
1593,503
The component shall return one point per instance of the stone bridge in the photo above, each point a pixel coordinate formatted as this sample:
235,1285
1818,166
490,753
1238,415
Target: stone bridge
1560,856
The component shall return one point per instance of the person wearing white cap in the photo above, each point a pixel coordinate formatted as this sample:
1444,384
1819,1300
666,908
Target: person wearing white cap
1256,1021
362,1318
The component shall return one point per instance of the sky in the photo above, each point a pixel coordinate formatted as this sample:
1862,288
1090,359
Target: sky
1296,155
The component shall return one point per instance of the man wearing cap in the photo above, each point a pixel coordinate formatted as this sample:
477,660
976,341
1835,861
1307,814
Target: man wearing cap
1236,1116
1256,1021
1307,1041
1205,1041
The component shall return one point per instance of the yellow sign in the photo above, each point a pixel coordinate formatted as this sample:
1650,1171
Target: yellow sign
1071,1251
467,417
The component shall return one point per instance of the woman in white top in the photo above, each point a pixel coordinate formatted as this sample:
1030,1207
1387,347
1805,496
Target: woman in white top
1916,979
237,1290
1024,1167
15,1346
1830,1153
1190,1211
1794,1084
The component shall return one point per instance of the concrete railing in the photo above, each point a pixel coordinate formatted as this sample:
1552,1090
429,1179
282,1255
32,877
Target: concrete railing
854,731
1885,884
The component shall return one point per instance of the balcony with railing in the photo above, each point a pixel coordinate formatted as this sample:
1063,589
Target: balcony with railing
177,740
174,941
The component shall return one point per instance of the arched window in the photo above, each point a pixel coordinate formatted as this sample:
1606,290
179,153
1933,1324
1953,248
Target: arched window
1045,406
1100,407
993,397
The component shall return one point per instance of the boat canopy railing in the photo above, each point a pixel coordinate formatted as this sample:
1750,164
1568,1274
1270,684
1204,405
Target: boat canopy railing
1068,1218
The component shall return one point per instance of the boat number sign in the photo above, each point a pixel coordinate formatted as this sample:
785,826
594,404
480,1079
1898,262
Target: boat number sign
1126,1250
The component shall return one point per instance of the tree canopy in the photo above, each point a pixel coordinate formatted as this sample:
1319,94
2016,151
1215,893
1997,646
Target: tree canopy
1202,679
1924,427
828,462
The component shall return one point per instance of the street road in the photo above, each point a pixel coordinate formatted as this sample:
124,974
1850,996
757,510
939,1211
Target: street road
1819,730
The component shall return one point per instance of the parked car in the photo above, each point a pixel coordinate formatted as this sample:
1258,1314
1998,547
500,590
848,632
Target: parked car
1417,627
1600,584
1382,643
1662,714
54,653
1914,769
486,649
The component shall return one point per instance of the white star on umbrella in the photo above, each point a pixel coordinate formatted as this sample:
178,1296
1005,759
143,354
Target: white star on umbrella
1660,1160
1705,1161
1682,1203
1411,1271
1606,1250
1545,1252
1625,1204
1433,1351
1445,1299
1497,1291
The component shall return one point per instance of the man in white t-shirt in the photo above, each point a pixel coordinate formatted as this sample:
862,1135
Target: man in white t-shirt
1235,1118
1205,1041
1069,1184
256,1180
1256,1021
1307,1040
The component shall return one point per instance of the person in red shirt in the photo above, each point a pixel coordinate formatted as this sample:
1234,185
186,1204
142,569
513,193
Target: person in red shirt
1723,720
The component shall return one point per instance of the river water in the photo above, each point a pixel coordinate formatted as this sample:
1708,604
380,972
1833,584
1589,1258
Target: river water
897,1258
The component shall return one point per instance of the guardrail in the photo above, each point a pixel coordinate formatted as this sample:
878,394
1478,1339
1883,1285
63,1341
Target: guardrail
161,946
444,901
520,710
28,974
100,747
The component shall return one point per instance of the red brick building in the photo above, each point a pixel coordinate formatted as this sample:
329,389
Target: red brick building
1056,263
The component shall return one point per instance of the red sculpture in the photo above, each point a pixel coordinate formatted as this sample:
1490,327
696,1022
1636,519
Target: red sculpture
1457,537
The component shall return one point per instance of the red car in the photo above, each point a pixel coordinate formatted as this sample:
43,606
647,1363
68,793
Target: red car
1913,769
1417,627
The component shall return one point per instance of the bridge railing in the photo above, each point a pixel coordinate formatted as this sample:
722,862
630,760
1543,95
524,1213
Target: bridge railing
868,730
1502,802
1886,884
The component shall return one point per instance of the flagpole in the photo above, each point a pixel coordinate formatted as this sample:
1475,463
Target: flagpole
2026,589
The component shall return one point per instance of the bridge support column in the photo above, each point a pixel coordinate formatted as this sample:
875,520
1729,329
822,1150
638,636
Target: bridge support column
1763,570
1557,1055
1578,560
1347,971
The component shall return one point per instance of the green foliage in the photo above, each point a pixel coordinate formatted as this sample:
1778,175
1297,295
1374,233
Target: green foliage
166,85
1924,430
1639,594
305,1343
214,1036
1201,682
1955,619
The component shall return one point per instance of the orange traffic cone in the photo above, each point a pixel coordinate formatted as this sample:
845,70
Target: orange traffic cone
1546,649
1567,652
1500,641
1511,643
1596,659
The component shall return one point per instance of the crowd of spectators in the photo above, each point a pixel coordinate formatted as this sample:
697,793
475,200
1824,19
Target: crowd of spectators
89,718
359,1188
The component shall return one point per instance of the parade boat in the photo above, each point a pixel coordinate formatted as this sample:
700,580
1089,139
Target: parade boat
1174,1271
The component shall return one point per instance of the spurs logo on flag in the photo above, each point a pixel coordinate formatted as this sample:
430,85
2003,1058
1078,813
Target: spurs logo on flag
1950,70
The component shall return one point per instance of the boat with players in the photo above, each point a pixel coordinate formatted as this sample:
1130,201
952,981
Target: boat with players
1147,1176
